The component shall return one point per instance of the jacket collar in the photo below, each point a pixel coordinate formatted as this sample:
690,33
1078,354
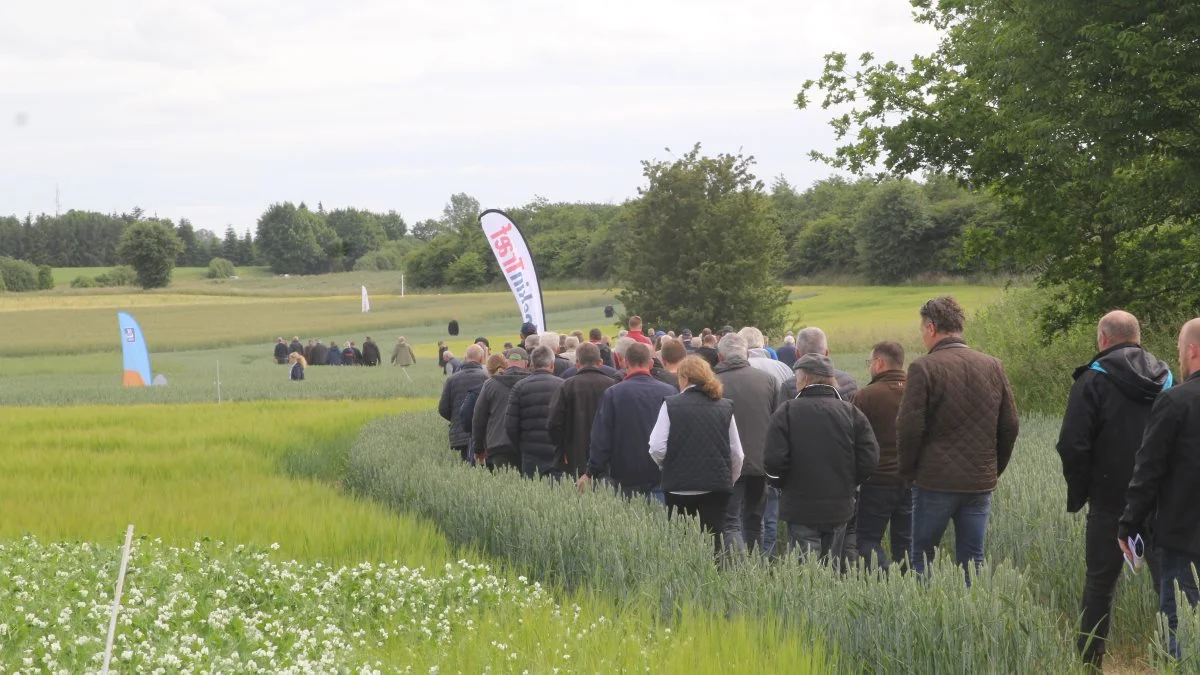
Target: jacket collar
951,342
1193,376
819,391
890,376
469,365
1106,352
732,364
635,373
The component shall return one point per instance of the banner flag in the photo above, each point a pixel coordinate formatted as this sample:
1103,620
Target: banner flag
516,263
133,347
366,302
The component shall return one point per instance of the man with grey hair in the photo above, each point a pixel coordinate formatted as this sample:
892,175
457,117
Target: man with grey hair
819,449
619,351
760,359
532,342
553,340
469,377
529,415
755,397
812,340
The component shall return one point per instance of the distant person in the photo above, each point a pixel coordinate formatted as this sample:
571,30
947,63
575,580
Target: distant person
954,435
508,346
820,449
319,353
333,357
349,355
402,353
1107,410
755,395
441,359
760,359
552,341
608,311
483,342
708,349
529,416
370,353
635,331
596,337
569,347
671,355
466,411
295,347
696,445
885,500
296,371
489,429
308,351
1165,475
470,376
573,410
452,364
527,329
452,328
685,336
281,351
787,353
621,431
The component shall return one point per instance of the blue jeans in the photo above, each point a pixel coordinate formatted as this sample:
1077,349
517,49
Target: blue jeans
1176,568
770,521
933,511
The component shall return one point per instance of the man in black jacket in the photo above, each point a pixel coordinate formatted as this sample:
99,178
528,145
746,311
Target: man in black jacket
370,353
573,410
1101,432
489,431
529,415
281,351
819,449
295,347
470,376
1165,475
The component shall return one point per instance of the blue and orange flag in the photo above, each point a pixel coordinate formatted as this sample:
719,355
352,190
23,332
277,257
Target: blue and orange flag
133,347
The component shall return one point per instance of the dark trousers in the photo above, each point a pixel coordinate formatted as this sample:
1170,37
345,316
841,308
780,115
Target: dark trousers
827,542
1104,564
934,510
744,515
511,461
878,507
464,451
1177,568
533,467
708,507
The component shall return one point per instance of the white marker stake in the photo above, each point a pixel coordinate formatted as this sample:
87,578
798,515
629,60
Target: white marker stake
112,623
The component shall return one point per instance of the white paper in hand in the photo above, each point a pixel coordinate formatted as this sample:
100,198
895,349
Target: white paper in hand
1138,550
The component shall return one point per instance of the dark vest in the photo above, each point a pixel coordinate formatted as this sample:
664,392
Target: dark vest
698,447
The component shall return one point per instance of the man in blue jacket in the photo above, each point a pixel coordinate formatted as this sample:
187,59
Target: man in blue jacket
619,447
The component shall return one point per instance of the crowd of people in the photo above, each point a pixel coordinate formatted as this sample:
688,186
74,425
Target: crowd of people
298,356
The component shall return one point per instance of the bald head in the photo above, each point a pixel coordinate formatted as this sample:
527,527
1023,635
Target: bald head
475,354
1189,348
1118,327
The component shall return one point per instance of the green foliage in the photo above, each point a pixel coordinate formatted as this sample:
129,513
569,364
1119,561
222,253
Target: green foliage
828,244
19,276
691,208
220,268
426,266
295,240
427,230
83,281
360,232
1078,117
150,248
896,236
467,271
121,275
45,277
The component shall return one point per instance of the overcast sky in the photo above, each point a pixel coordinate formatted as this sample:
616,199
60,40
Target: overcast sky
213,109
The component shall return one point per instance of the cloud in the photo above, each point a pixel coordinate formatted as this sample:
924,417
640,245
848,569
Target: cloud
225,106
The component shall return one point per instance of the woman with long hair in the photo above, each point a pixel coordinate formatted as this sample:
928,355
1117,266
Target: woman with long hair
696,445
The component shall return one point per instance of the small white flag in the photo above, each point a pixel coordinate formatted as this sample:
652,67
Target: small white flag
366,302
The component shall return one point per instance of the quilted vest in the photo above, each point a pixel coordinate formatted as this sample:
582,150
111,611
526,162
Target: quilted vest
698,447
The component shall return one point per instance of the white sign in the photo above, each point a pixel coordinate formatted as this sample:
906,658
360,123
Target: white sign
516,263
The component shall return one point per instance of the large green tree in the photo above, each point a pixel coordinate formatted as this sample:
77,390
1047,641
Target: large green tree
150,247
701,247
294,240
360,232
1082,117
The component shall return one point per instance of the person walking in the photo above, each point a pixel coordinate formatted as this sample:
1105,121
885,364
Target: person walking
696,445
370,353
1106,416
573,410
296,371
621,431
671,354
788,352
635,331
955,434
755,397
281,351
470,377
819,448
295,347
451,364
1166,472
708,350
402,353
596,337
529,416
885,499
760,359
319,354
489,430
333,357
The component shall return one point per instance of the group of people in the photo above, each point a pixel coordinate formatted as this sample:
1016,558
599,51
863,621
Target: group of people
298,356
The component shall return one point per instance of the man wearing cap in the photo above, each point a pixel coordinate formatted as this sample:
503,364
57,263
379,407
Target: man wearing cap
470,376
686,337
488,431
819,449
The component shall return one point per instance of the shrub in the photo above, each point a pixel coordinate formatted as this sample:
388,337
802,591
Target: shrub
220,268
122,275
45,277
19,276
82,281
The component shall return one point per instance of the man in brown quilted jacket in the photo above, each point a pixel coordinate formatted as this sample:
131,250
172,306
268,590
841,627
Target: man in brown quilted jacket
954,435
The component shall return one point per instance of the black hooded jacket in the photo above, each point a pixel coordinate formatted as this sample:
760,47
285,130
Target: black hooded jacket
488,423
1106,416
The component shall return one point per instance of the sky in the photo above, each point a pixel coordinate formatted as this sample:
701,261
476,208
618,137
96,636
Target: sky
214,109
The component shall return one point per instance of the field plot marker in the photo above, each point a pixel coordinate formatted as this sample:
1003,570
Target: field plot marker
112,622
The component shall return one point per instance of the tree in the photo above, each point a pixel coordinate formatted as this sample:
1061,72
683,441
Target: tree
461,214
689,210
426,230
220,268
895,233
393,225
467,271
231,246
45,277
150,247
295,240
1079,116
359,231
187,235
